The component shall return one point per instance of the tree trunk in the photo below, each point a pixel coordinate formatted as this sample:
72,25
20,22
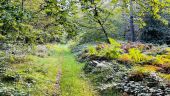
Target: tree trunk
22,7
22,2
104,31
132,31
100,23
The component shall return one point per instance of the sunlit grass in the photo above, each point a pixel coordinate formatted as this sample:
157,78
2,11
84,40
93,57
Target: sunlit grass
72,82
43,72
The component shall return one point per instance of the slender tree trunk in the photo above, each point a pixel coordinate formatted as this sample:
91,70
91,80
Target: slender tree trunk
95,12
22,5
133,37
100,23
104,31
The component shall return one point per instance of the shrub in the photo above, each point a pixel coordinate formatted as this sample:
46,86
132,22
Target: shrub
30,79
168,52
11,59
10,76
3,63
2,67
22,59
114,43
2,37
9,91
41,51
49,46
110,52
15,59
92,50
106,51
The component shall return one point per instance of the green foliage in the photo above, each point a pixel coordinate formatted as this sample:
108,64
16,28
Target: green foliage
96,17
165,76
146,68
2,38
155,28
161,60
110,51
11,19
21,24
8,91
3,63
92,50
114,43
125,58
62,12
136,55
107,51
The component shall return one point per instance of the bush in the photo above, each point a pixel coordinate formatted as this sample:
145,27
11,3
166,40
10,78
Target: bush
106,51
8,91
92,50
110,52
3,63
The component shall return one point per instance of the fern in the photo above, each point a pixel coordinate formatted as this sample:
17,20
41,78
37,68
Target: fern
136,55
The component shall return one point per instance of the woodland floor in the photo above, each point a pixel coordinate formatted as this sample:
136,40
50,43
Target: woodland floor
57,74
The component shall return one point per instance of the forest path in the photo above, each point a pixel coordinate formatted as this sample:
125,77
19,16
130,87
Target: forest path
71,78
54,72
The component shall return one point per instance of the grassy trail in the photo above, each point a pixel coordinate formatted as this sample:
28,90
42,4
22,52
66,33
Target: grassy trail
72,83
57,74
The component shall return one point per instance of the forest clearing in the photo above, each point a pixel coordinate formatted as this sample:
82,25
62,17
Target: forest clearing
84,47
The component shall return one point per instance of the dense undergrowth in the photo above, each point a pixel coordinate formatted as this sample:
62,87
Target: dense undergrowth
133,54
119,65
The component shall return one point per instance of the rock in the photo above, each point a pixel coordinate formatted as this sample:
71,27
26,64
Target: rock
100,64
